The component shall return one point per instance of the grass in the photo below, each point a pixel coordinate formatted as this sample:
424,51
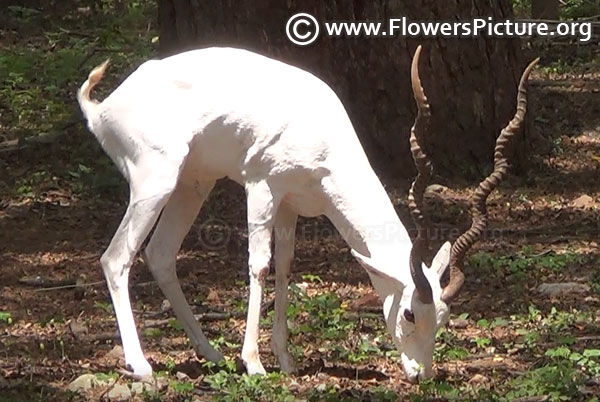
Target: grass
569,9
40,76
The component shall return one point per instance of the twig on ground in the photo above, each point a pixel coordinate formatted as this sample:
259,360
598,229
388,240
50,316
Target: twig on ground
41,138
210,316
479,356
539,398
128,374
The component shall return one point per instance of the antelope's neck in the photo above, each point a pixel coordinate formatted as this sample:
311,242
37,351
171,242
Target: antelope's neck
364,215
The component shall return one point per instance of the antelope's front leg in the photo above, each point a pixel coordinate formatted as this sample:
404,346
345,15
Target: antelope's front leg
285,228
262,206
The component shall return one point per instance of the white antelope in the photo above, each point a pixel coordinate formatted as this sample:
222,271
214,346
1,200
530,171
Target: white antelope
177,125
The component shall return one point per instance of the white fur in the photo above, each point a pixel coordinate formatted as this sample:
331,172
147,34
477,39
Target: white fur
177,125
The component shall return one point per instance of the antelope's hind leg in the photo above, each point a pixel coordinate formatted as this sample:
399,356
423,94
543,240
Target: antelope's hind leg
174,224
147,199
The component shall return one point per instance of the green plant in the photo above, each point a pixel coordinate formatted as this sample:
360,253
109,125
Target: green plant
312,278
182,387
322,315
431,389
152,333
365,350
104,306
522,7
588,360
481,343
6,317
573,9
570,9
329,393
220,341
558,382
232,387
595,282
107,377
175,325
447,347
530,337
522,263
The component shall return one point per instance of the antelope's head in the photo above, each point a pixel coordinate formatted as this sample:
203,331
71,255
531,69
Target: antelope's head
415,313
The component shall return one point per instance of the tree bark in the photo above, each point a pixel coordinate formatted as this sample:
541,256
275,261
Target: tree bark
545,9
471,83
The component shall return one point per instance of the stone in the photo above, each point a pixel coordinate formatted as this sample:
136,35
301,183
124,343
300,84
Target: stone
436,188
139,387
459,323
562,289
88,381
165,305
478,379
182,376
83,383
115,353
120,392
584,202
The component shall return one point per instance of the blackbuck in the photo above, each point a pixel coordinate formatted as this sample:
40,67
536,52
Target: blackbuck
177,125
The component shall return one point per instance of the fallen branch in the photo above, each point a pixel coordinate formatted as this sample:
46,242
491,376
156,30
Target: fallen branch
131,376
210,316
539,398
39,281
81,333
478,356
41,138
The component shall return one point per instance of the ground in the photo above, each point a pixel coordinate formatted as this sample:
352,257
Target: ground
60,202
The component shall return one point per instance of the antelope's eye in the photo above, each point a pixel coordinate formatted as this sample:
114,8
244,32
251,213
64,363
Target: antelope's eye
409,315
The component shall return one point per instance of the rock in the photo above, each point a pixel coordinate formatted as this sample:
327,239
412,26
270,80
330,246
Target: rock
79,329
115,353
83,383
88,381
182,376
165,305
120,392
585,201
161,383
213,297
368,300
115,357
139,387
562,289
478,379
436,188
459,323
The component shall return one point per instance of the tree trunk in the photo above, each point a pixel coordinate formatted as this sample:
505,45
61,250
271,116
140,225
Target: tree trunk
545,9
471,83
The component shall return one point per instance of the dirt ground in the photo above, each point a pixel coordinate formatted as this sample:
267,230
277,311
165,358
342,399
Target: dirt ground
55,240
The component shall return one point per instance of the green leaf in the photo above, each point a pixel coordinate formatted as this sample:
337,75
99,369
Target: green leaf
6,317
591,353
483,323
561,351
499,322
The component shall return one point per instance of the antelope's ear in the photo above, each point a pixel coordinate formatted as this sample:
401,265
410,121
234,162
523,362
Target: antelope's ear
369,265
441,261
